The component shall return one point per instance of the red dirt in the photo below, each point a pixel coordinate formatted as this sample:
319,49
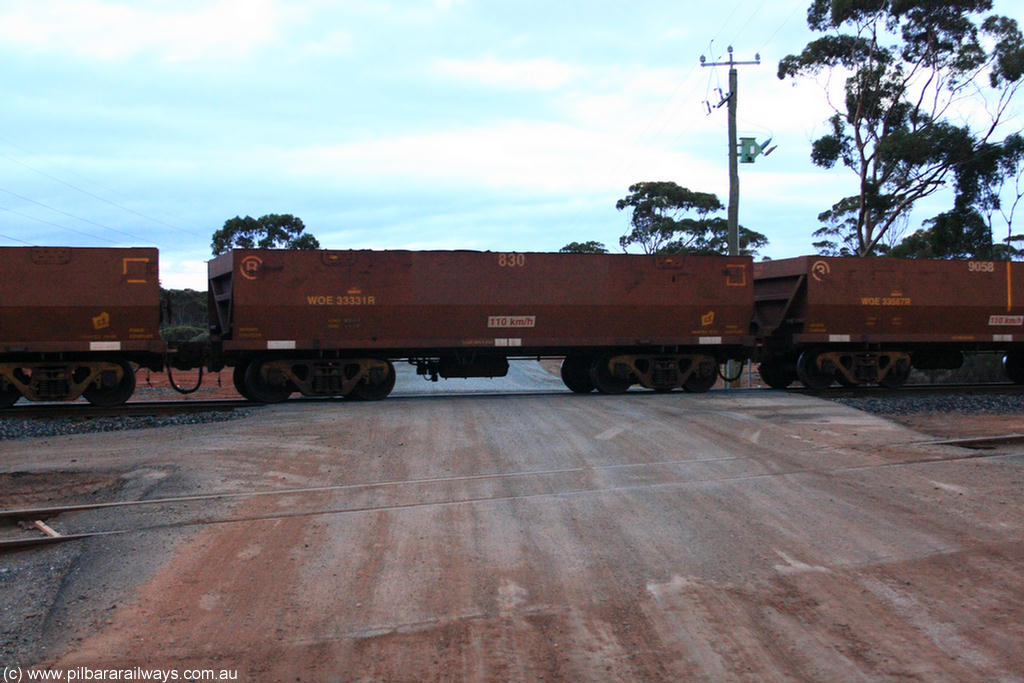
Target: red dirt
155,386
727,536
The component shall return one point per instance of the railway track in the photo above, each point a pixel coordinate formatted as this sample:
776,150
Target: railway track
544,483
81,409
911,390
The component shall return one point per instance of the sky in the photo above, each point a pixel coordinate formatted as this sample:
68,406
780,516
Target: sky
423,124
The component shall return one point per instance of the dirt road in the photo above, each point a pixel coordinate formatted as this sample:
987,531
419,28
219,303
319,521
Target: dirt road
734,536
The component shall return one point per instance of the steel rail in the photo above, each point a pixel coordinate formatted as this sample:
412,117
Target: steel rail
130,409
19,543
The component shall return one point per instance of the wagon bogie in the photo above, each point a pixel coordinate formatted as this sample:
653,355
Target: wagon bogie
271,380
855,367
102,382
695,372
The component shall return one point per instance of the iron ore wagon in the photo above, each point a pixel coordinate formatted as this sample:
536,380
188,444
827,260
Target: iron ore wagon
870,320
332,322
73,320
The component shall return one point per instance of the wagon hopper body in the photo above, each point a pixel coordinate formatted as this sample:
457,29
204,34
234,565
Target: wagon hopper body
869,320
73,319
331,322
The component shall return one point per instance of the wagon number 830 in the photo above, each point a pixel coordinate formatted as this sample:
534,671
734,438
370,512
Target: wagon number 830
511,260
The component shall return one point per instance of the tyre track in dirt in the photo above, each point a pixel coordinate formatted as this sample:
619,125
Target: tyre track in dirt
723,537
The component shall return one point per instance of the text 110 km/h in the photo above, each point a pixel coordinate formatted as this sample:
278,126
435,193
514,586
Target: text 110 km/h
507,321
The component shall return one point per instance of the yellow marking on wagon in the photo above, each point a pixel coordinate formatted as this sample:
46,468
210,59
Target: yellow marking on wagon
1009,287
736,275
134,259
895,300
340,300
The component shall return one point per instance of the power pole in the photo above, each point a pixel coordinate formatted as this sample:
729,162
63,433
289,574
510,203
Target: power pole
734,174
750,150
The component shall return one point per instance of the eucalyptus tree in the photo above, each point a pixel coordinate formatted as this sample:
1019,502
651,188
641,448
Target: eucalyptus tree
668,218
271,231
588,247
928,84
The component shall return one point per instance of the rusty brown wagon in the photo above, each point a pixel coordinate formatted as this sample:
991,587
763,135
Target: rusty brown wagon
74,320
870,320
333,322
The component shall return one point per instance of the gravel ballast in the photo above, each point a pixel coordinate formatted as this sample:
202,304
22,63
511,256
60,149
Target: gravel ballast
912,404
28,428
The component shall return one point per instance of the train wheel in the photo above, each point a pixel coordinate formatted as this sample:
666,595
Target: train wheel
261,390
375,391
897,376
238,379
1013,363
9,394
603,379
576,374
701,379
116,394
845,381
813,377
776,373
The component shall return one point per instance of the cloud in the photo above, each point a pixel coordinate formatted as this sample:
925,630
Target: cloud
526,74
333,43
102,30
182,273
515,155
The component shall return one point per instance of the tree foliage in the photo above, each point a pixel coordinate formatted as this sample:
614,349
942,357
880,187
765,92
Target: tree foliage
183,315
668,218
272,231
590,247
912,67
969,229
953,234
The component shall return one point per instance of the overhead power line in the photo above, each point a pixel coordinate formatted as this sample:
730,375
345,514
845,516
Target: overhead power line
797,6
90,194
15,239
71,215
56,225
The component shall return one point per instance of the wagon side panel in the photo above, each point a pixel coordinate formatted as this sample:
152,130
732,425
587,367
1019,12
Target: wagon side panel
403,301
79,299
